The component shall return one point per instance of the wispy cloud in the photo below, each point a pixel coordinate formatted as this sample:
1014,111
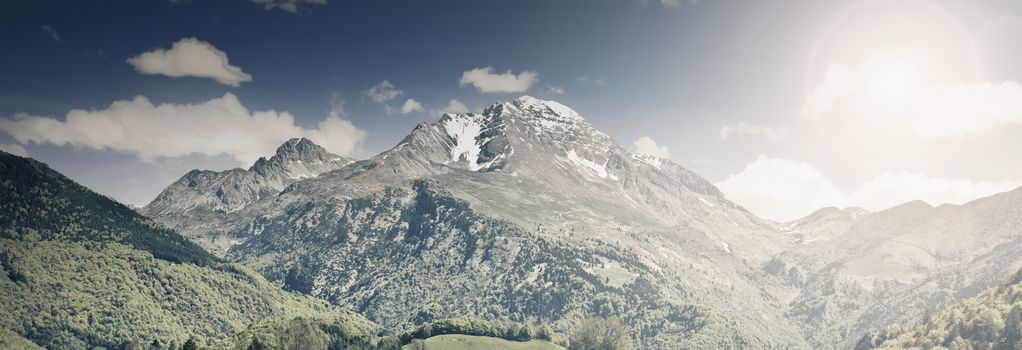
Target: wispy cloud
286,5
770,133
553,90
53,33
383,92
593,81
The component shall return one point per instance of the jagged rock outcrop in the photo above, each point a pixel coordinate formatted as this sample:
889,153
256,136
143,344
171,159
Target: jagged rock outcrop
203,203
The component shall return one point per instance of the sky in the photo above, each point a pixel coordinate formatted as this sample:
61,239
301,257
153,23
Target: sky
788,106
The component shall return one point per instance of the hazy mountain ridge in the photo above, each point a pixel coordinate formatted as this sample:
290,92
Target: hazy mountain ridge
898,264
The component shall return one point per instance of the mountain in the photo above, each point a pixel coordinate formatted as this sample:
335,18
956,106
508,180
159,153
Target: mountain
524,212
854,271
991,320
82,271
216,197
527,212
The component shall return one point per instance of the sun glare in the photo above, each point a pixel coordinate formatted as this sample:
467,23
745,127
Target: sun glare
892,78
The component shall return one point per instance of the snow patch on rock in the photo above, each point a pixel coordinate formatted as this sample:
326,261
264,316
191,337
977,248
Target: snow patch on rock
599,169
464,131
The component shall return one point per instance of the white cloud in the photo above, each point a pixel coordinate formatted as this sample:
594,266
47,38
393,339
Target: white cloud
485,80
411,105
14,149
781,189
772,134
646,145
286,5
383,92
952,111
838,81
453,106
190,57
891,189
784,190
151,132
553,90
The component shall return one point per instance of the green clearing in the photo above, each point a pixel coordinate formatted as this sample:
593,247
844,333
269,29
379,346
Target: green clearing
471,342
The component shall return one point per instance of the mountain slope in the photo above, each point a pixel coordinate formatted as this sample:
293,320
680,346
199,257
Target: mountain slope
71,295
82,271
429,256
37,203
862,271
525,212
991,320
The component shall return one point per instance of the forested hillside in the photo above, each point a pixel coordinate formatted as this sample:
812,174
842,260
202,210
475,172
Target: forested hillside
992,320
82,271
73,295
37,203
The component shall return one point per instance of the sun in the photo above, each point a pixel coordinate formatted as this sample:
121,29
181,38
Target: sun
892,78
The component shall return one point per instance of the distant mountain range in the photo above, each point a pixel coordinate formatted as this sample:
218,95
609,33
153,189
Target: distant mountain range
527,213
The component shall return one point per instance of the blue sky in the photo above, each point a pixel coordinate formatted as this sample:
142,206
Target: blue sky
721,86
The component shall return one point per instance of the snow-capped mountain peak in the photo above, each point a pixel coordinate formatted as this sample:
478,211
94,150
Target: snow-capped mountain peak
550,110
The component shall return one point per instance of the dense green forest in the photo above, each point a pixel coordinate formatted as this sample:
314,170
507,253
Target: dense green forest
990,321
37,203
73,295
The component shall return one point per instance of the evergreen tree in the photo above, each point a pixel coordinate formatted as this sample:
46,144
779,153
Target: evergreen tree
545,333
599,334
256,345
190,345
